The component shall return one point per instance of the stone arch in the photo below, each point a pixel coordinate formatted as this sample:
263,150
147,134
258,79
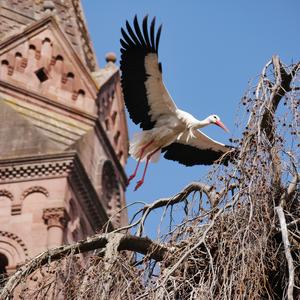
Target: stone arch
4,62
13,248
18,54
70,75
59,57
6,193
6,200
46,40
32,47
34,189
33,201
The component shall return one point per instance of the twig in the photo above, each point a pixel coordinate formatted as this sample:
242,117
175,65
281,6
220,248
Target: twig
193,187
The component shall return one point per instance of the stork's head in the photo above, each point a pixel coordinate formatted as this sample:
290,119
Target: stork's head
214,119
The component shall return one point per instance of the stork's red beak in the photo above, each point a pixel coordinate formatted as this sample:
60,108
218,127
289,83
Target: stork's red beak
220,124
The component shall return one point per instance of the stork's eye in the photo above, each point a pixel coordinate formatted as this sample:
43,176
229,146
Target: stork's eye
215,117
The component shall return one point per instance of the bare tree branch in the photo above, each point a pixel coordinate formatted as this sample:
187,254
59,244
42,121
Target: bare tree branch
225,246
281,87
288,255
126,242
180,197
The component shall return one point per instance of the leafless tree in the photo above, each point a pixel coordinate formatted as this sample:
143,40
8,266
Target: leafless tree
237,236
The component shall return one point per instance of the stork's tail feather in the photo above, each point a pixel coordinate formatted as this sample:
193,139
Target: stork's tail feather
155,157
136,145
138,142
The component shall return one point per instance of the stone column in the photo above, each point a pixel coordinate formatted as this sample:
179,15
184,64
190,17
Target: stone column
56,220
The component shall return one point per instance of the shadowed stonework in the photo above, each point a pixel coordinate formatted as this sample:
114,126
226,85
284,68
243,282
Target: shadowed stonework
63,133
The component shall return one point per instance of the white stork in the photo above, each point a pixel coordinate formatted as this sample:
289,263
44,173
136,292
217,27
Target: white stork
165,127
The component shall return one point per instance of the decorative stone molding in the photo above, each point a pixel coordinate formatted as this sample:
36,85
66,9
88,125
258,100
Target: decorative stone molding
59,165
34,189
6,193
34,171
16,239
55,217
16,209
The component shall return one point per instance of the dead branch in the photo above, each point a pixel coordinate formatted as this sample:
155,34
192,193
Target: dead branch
281,87
125,242
288,255
180,197
201,241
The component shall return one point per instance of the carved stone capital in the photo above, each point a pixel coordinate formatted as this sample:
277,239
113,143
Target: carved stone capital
55,217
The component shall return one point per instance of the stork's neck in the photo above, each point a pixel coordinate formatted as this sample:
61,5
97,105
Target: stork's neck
202,123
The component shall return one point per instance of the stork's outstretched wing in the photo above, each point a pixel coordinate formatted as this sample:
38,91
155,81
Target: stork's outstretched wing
198,150
145,95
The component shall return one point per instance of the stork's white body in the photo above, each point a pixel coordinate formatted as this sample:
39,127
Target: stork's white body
179,126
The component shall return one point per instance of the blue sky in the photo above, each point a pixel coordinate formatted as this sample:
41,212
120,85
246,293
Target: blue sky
209,51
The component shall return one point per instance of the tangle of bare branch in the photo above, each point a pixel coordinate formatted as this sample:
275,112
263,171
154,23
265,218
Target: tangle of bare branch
235,235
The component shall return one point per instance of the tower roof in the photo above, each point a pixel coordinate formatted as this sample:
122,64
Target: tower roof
18,136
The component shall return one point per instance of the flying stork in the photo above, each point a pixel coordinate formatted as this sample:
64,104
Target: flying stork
166,128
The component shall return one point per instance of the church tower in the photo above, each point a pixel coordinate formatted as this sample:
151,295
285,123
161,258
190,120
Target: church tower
63,132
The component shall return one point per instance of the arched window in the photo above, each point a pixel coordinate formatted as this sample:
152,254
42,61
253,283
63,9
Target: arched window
13,251
70,75
46,40
59,58
3,264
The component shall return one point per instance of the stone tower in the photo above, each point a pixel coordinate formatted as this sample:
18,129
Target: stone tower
63,132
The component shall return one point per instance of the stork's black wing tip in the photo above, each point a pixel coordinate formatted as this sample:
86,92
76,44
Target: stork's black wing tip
190,156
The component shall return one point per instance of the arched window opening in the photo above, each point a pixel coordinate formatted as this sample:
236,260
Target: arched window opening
46,40
120,155
116,137
107,127
81,92
114,116
32,47
70,75
59,58
3,265
18,54
112,95
4,62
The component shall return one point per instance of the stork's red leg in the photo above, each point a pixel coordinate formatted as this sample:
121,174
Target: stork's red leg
138,163
140,182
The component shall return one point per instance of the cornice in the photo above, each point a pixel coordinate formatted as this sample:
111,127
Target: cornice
16,169
57,165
